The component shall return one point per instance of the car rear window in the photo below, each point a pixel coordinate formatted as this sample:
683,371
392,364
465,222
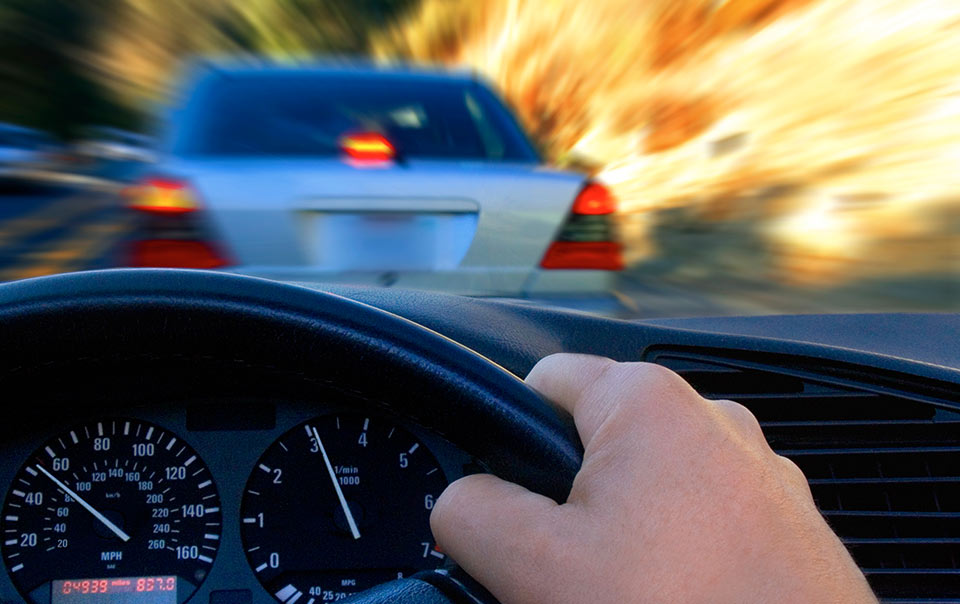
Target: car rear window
306,114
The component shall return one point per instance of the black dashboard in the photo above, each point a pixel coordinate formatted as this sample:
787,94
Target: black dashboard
232,496
320,429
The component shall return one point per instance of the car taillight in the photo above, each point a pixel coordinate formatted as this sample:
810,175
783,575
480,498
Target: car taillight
173,230
587,239
162,196
599,255
176,253
367,146
594,200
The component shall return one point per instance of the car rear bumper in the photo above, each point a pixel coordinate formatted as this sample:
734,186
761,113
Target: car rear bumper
469,281
604,304
568,282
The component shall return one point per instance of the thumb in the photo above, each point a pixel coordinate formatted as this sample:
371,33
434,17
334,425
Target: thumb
497,531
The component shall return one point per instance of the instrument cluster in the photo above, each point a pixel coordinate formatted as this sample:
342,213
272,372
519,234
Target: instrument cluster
221,502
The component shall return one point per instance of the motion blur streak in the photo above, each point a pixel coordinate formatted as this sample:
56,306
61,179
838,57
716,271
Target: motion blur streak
831,127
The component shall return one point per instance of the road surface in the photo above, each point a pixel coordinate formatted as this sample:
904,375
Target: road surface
70,229
58,230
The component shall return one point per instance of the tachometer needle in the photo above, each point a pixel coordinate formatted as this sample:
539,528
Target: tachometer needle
336,487
113,527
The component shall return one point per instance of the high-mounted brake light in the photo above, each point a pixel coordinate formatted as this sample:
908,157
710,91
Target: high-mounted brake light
367,146
162,196
595,199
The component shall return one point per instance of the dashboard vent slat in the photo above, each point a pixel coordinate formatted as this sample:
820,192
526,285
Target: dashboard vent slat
882,434
742,382
883,463
901,540
871,451
892,480
830,513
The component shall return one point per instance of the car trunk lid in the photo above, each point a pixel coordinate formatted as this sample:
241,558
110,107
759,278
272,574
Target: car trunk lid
326,215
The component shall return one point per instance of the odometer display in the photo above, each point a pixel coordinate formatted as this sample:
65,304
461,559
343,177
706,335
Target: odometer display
138,590
108,502
337,505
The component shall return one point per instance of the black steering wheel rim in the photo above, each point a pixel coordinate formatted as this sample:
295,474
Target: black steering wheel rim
158,313
142,319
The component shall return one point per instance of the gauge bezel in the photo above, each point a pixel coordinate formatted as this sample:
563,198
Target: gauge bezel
120,428
294,442
222,451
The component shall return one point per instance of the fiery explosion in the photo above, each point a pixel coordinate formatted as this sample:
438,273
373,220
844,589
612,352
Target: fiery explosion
831,127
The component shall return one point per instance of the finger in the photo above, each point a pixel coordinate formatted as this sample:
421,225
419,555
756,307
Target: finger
564,378
570,381
594,389
496,530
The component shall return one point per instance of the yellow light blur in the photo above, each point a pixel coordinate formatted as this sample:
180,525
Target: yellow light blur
366,146
148,197
831,125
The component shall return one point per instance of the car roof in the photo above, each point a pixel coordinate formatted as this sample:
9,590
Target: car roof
339,69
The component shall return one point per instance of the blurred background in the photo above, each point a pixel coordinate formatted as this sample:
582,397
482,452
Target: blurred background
768,156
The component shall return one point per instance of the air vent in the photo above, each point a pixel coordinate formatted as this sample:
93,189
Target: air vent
882,457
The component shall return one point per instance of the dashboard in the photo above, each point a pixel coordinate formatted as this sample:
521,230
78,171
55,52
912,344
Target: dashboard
219,501
214,439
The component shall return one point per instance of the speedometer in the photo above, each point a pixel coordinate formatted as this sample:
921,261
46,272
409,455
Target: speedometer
108,508
339,504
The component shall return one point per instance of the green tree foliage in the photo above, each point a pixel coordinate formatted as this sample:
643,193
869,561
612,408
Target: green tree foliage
69,63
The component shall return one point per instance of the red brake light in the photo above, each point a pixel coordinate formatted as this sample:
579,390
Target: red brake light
367,146
596,255
162,196
176,253
594,199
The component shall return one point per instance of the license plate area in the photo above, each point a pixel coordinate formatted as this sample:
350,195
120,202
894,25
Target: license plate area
384,240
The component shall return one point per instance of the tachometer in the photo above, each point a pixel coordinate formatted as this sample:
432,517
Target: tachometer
339,504
111,507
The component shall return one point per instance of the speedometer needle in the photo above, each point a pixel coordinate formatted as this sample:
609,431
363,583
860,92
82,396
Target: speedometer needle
113,527
336,487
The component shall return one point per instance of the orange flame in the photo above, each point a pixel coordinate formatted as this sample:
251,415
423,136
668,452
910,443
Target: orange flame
831,126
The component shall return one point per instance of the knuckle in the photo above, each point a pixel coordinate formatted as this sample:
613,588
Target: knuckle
742,417
643,392
607,374
792,470
647,375
601,378
658,374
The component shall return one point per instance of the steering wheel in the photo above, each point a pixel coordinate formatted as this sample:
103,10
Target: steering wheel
139,328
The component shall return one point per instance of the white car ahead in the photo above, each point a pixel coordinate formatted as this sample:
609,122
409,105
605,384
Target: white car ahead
365,175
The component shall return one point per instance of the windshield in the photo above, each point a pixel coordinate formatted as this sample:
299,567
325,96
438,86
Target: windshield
307,114
668,158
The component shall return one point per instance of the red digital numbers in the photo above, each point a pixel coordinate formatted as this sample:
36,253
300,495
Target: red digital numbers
106,586
156,584
87,586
